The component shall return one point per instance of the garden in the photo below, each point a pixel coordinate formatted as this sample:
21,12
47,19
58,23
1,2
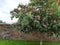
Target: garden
41,16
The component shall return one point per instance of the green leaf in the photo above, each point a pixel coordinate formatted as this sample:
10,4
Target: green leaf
29,16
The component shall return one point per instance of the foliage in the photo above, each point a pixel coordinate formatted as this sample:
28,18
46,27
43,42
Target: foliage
1,21
38,15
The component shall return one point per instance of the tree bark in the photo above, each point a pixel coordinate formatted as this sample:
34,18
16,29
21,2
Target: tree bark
41,42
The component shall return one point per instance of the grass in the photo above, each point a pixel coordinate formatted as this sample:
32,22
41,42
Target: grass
21,42
51,43
18,42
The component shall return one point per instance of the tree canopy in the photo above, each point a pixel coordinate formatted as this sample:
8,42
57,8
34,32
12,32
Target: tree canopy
38,15
2,21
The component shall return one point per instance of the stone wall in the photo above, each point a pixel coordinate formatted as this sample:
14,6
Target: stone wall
7,31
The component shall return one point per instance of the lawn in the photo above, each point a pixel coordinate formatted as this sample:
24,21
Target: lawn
21,42
51,43
18,42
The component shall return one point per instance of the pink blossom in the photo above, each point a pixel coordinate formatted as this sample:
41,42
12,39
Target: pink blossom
54,21
44,19
44,25
38,16
47,23
35,21
51,8
50,13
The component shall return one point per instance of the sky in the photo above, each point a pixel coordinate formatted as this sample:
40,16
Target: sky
8,5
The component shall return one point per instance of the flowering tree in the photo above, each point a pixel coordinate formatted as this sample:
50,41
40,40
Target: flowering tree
38,15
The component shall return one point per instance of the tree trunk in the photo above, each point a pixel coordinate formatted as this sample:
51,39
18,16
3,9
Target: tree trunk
41,42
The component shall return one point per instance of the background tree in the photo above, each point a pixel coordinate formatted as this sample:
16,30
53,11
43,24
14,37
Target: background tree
1,21
39,15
